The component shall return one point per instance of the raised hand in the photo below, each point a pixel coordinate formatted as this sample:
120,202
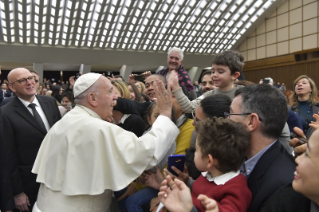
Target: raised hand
163,98
315,125
176,198
298,148
173,81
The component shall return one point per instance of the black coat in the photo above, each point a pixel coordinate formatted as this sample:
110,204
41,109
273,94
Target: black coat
274,170
22,140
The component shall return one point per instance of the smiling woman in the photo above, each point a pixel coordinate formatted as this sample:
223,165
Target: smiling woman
306,179
304,103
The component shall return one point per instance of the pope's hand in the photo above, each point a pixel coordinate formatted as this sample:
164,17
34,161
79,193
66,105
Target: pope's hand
163,98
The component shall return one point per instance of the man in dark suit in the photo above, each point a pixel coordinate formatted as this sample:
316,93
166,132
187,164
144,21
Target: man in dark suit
25,125
268,166
4,92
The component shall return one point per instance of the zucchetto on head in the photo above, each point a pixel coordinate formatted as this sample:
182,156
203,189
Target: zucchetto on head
84,82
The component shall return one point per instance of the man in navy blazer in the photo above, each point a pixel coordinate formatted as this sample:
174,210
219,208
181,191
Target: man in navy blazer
23,134
268,166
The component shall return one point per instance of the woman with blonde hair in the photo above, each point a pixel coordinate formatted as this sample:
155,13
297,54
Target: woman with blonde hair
129,122
140,86
303,102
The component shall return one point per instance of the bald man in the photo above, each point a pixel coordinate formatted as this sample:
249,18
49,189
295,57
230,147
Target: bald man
24,125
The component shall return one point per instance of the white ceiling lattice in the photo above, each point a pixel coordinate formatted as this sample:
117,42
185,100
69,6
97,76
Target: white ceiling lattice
196,26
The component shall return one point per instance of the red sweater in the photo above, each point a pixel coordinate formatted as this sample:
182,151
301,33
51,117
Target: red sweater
233,196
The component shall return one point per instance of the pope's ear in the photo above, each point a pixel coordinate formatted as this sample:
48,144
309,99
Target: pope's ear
92,99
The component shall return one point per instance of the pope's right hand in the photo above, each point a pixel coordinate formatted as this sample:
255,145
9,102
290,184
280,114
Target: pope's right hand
163,98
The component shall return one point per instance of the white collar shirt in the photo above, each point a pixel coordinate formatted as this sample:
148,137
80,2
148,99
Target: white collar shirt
222,179
39,110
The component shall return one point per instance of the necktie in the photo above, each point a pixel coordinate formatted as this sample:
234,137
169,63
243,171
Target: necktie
36,116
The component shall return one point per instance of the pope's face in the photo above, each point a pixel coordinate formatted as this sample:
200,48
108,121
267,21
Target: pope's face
106,98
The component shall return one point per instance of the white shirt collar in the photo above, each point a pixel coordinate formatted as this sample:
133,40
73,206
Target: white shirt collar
125,116
26,103
222,179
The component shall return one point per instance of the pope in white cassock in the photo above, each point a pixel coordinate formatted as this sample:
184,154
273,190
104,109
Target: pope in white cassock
84,158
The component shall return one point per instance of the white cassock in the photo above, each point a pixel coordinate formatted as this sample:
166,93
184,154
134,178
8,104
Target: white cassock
83,159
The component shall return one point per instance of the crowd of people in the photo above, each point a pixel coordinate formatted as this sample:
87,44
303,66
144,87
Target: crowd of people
75,146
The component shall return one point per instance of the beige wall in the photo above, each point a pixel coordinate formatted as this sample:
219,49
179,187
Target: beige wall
292,27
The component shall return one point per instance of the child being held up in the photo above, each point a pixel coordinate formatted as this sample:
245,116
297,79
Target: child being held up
221,146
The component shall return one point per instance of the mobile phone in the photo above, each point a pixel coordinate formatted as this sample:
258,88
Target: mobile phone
69,106
108,74
266,81
176,160
77,75
140,77
301,140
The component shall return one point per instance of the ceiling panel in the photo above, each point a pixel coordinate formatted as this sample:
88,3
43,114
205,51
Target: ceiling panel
197,26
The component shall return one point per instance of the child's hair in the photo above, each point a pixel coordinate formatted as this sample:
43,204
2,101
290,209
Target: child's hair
225,140
149,112
233,59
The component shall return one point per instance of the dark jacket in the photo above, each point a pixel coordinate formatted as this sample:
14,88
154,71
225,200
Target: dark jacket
22,139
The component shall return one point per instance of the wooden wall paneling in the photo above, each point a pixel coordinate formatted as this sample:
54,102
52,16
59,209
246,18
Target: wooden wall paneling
286,73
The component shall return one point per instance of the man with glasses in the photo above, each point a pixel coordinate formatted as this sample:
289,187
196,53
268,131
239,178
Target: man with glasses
26,120
37,84
268,166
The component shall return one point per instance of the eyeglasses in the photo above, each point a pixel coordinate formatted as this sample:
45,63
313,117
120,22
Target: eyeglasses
23,81
227,115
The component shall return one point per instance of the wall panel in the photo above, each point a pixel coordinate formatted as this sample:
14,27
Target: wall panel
286,73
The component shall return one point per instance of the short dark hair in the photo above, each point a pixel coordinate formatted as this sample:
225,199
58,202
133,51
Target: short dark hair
269,103
215,105
68,95
161,77
206,73
119,76
233,59
225,140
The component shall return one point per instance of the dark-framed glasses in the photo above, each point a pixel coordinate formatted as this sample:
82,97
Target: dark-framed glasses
227,115
23,81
